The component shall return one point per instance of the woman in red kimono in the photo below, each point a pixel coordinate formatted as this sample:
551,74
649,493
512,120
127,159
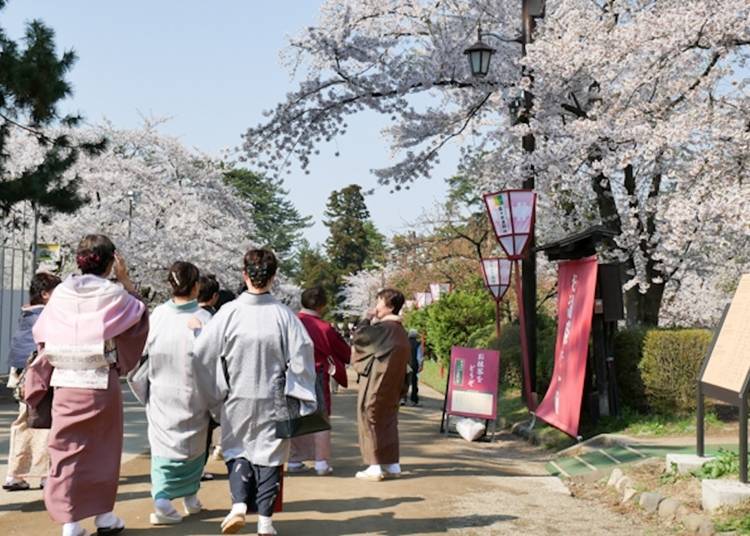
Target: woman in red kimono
331,357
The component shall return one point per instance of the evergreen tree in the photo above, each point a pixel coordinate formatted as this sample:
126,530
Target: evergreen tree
278,222
315,270
32,84
349,240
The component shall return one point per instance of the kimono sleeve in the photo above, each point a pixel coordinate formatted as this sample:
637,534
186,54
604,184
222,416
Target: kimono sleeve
341,355
208,353
130,344
300,358
340,351
37,380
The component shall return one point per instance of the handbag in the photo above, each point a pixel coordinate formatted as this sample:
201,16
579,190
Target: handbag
290,423
39,416
138,381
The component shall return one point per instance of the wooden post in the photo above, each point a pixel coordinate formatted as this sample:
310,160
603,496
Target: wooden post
497,319
743,438
700,446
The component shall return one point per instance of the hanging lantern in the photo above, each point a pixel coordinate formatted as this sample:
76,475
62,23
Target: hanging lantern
512,213
496,272
438,289
423,299
479,55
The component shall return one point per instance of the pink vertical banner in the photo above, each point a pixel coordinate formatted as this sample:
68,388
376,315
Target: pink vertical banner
561,406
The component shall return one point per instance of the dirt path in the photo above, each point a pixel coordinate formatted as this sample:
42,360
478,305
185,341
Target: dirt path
449,486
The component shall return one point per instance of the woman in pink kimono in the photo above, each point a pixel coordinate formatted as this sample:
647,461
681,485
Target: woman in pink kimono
91,332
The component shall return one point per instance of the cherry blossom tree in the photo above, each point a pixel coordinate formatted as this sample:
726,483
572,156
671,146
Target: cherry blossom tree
640,118
359,290
159,202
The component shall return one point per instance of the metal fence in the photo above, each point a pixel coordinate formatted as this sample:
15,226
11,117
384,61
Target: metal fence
15,267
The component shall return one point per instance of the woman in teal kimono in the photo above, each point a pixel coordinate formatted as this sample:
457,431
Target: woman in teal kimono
177,419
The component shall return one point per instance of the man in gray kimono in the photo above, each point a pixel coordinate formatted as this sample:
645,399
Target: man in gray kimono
253,349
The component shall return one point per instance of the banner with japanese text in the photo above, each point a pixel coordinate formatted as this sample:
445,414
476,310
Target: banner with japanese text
561,406
472,387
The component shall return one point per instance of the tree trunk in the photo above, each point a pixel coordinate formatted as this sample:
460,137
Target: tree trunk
643,309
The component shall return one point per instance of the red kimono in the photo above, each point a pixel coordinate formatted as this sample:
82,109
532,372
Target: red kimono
328,343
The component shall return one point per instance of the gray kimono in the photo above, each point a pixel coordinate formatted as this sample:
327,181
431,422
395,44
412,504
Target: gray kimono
177,415
254,347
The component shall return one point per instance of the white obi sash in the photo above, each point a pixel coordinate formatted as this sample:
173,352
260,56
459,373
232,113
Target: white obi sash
81,366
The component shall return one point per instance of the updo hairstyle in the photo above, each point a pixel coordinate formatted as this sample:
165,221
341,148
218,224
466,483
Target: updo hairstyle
260,267
209,287
95,254
182,277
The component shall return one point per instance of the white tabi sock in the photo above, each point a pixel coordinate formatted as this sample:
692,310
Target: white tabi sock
191,501
374,470
392,467
321,465
108,520
164,507
265,525
295,465
72,529
238,509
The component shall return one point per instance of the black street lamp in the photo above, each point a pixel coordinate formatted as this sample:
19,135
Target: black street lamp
479,55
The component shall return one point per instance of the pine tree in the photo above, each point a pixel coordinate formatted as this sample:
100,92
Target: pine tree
278,223
32,84
349,240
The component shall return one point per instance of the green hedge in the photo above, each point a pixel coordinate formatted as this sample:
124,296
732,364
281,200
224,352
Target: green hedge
510,353
628,352
452,320
669,368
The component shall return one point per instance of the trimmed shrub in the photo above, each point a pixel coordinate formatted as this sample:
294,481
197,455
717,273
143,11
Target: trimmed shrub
483,337
628,351
670,366
454,318
510,353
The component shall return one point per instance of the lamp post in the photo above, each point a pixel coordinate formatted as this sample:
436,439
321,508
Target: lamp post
131,197
496,273
480,55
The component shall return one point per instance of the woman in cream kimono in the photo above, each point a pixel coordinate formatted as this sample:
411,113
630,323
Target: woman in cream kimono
253,350
177,419
91,332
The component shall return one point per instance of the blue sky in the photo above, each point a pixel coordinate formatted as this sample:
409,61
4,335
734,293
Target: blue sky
213,67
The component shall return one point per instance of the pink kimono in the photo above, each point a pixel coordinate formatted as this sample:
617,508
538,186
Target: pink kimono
85,443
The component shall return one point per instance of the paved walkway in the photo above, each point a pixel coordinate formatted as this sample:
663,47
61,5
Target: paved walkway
449,486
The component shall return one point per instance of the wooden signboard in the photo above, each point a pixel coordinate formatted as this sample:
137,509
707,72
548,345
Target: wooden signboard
726,370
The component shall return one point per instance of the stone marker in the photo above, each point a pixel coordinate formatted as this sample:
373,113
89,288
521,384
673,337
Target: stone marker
624,483
668,508
614,476
685,463
718,493
650,501
629,495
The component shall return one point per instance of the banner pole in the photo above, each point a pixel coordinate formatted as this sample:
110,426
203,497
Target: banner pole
497,319
443,423
530,401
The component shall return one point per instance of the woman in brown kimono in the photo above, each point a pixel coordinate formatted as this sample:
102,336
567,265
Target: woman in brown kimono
380,353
